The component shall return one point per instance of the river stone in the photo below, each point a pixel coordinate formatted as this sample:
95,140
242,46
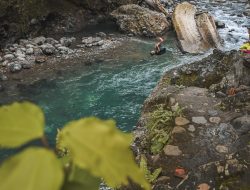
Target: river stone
220,24
48,49
221,149
180,121
25,64
101,34
216,120
199,120
67,41
178,130
30,51
15,67
135,19
171,150
191,128
8,57
39,40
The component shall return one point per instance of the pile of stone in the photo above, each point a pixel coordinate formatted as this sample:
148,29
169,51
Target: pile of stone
27,52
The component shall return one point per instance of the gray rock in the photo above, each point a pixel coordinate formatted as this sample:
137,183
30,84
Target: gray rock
88,40
181,121
1,59
37,51
199,120
39,40
216,120
48,49
51,41
34,21
63,49
221,149
171,150
96,39
134,19
19,53
15,67
20,59
100,43
22,42
178,130
191,128
30,51
25,64
101,34
67,41
212,112
9,57
5,63
29,46
220,24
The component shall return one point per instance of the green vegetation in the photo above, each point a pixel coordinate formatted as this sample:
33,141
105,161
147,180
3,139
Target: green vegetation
151,177
160,126
92,150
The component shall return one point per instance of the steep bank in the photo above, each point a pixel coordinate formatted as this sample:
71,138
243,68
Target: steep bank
195,125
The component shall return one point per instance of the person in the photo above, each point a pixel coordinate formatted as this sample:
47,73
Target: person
158,45
245,48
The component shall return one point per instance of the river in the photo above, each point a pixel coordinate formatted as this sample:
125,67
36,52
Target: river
116,87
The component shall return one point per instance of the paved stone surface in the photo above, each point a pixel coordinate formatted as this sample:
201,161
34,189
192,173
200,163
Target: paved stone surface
221,149
178,130
181,121
191,128
171,150
199,120
216,120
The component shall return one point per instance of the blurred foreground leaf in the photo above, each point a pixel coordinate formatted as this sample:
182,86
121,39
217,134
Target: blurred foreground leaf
102,149
80,179
32,169
20,123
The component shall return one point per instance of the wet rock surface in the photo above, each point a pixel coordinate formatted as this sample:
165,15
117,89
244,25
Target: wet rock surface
212,146
196,32
140,21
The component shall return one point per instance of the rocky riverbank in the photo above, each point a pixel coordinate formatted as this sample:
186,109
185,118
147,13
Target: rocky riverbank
33,60
195,125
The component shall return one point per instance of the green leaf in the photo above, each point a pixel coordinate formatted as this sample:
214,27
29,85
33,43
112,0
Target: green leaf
20,123
32,169
155,174
102,149
80,179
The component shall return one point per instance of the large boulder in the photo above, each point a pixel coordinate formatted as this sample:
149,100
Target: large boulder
140,21
196,32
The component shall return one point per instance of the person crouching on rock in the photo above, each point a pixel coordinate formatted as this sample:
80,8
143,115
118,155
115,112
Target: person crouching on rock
158,45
